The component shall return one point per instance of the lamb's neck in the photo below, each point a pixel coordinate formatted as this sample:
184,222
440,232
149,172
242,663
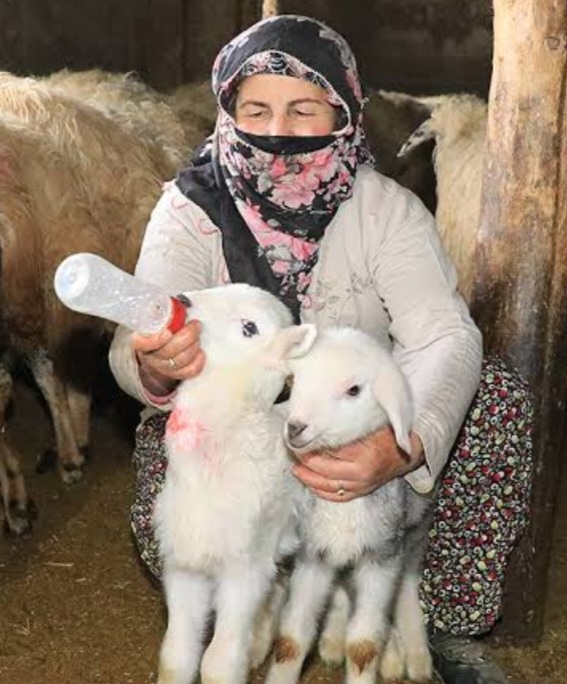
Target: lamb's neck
222,394
210,411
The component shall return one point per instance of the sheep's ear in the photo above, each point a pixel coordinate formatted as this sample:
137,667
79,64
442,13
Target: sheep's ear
421,134
422,107
393,394
294,341
424,104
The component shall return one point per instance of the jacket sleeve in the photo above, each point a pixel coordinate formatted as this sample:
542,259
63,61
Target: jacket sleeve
435,340
176,254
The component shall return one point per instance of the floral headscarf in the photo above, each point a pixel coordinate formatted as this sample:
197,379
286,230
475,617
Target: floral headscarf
278,194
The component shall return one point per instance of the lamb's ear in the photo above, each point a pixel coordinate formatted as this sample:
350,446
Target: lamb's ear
420,135
294,341
393,393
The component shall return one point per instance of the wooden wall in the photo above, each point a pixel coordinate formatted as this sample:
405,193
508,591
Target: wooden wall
428,46
39,37
414,45
166,41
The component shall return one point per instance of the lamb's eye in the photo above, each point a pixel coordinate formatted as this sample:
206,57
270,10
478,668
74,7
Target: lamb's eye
353,391
249,328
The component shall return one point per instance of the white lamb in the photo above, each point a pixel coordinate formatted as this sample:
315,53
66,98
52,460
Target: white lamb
224,517
345,388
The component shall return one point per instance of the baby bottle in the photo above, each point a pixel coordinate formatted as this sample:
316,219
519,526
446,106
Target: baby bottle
89,284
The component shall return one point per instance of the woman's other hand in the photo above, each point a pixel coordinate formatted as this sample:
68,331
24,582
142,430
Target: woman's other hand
358,468
166,358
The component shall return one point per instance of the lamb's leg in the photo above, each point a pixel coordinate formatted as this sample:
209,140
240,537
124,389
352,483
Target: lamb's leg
266,623
238,598
411,634
70,459
188,599
79,403
393,663
375,586
310,586
333,635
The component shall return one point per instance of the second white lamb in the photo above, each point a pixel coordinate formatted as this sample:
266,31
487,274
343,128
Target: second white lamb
345,388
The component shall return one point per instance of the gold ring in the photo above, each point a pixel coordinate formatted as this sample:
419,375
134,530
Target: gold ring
341,491
172,364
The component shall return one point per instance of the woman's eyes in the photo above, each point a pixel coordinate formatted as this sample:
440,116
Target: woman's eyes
256,114
301,112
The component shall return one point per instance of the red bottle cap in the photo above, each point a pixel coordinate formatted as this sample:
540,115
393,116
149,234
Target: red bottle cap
178,315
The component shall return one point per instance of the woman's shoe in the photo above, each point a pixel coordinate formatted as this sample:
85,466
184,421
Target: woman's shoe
460,660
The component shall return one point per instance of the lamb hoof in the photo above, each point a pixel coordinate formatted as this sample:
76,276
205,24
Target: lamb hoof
71,473
332,651
18,522
392,664
419,667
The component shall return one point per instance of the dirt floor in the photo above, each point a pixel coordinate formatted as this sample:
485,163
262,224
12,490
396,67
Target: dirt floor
77,607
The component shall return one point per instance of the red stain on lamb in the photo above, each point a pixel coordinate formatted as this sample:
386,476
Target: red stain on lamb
191,434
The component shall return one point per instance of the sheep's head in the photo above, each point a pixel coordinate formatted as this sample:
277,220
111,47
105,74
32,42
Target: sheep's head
238,322
346,387
248,336
449,118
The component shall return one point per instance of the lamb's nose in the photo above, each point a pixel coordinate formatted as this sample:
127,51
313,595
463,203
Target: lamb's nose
294,429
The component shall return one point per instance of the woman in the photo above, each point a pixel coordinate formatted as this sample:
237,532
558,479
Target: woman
285,196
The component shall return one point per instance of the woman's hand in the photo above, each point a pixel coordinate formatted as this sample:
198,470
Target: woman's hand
167,358
358,468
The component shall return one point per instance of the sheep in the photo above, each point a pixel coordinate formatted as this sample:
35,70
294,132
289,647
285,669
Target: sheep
457,124
225,514
345,388
195,106
388,122
72,179
132,104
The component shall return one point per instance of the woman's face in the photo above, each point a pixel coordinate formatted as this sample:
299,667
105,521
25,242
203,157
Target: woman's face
269,104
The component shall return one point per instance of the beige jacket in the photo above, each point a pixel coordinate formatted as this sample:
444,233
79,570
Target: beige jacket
381,268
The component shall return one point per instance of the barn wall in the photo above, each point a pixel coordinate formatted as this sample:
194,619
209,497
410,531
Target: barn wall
38,37
414,45
185,36
428,46
166,41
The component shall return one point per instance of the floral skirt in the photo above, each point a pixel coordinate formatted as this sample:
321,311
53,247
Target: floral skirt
481,508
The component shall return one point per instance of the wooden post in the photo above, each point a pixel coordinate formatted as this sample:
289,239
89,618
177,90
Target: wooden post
520,293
